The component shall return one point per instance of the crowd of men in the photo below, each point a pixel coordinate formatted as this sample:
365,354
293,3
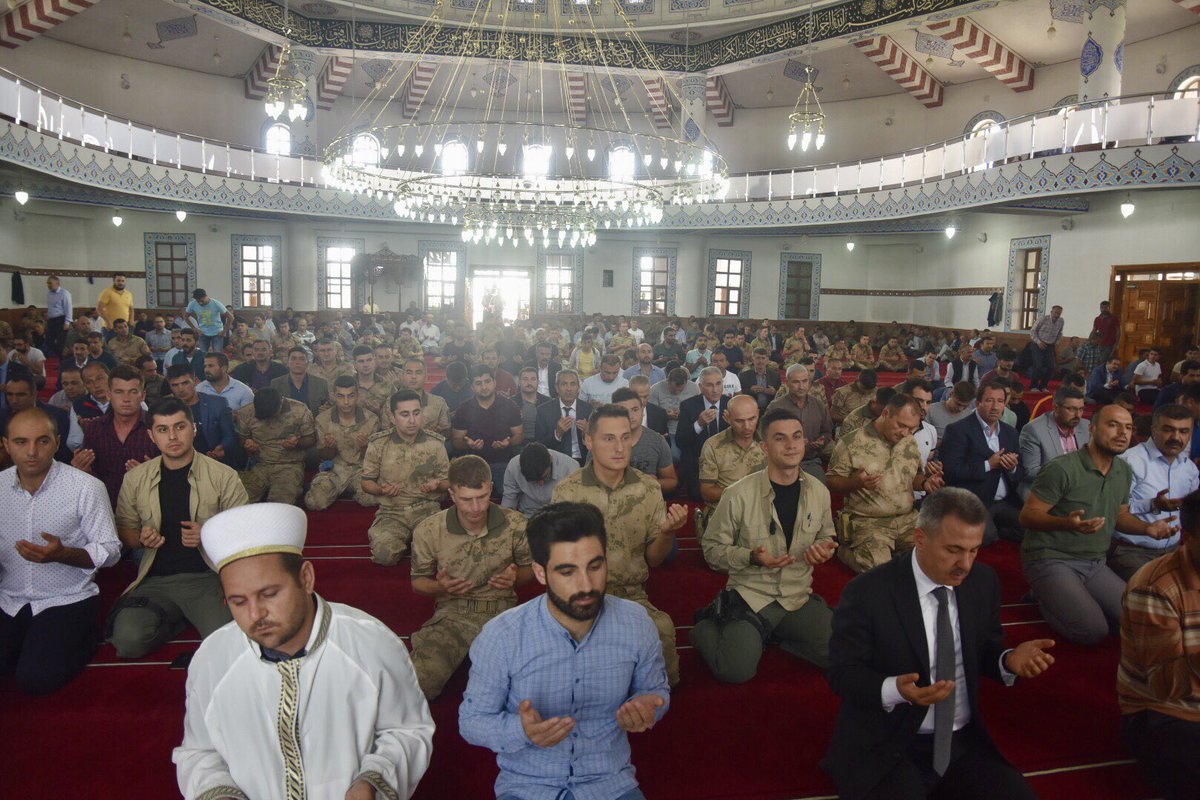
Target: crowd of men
565,456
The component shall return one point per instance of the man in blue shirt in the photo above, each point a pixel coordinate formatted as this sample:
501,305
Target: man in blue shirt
211,318
216,435
59,313
559,682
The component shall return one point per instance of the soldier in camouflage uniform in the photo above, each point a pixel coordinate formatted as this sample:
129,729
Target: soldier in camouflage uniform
877,468
729,456
641,529
374,391
325,363
796,347
621,341
866,413
125,346
435,414
343,431
892,357
470,558
276,430
853,395
840,353
406,468
239,339
407,346
862,354
386,366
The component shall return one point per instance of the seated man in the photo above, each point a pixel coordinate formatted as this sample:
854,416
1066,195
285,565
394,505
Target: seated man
840,354
560,423
981,454
216,435
1147,378
49,602
519,699
25,355
933,618
405,466
1163,476
878,468
760,381
95,403
153,380
892,357
374,390
700,417
598,389
645,365
189,353
119,440
806,404
1069,517
290,654
640,527
275,431
435,414
729,456
72,389
126,346
862,355
1156,681
343,432
162,505
488,425
867,413
769,595
648,451
956,404
260,370
1064,430
530,478
853,395
21,394
454,389
1189,373
470,558
297,384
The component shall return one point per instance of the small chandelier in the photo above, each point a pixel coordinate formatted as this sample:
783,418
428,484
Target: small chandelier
286,92
807,116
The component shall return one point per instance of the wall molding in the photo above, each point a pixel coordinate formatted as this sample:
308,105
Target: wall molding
960,292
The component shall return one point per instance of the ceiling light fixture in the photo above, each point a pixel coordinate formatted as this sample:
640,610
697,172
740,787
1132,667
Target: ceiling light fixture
117,219
216,56
181,215
951,230
850,245
127,37
808,115
21,196
1127,208
286,91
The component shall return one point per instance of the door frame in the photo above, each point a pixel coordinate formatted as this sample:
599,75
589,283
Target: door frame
468,287
1119,278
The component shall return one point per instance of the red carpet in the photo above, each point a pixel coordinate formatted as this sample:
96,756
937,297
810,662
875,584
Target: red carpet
763,740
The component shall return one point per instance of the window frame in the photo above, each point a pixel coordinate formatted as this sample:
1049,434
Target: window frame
358,246
291,140
728,288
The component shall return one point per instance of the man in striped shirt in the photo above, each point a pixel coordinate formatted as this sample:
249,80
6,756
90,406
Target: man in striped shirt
1158,680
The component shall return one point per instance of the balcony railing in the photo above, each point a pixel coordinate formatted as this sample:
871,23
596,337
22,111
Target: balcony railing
1120,121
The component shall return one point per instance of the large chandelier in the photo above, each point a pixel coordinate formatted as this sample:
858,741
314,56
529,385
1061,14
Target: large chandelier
509,150
808,117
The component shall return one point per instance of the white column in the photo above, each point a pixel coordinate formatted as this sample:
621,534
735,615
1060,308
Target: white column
1102,57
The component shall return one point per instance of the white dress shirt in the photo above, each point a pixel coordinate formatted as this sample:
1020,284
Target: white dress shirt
544,380
1152,473
569,409
71,505
891,696
993,442
715,425
926,438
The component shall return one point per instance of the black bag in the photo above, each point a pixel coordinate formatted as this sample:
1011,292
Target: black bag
729,606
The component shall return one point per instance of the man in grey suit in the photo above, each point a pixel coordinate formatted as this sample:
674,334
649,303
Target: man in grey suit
1051,435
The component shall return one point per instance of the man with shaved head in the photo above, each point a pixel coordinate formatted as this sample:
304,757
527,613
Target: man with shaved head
730,455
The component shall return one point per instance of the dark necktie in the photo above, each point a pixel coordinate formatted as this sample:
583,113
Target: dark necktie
943,712
570,433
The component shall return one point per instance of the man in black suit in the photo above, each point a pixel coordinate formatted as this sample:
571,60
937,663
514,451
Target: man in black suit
20,393
760,381
982,455
653,417
699,418
561,422
911,639
547,367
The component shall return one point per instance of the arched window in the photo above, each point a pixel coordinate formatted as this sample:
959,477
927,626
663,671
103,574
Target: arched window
622,164
536,160
278,140
978,124
1189,87
455,158
364,150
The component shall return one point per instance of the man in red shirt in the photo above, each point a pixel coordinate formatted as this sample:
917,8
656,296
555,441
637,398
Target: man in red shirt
832,380
1109,325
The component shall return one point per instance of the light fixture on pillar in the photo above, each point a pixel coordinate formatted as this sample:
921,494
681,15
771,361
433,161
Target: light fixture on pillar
117,219
850,245
808,118
21,196
951,229
1127,208
181,215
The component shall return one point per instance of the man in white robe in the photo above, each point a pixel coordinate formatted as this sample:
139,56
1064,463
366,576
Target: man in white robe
297,698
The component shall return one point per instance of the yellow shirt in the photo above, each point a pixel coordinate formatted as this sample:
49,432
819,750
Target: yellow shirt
114,305
587,363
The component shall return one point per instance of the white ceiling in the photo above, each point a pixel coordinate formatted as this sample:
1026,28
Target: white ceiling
1021,25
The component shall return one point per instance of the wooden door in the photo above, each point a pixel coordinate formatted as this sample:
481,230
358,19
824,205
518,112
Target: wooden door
797,301
1139,303
1176,319
1157,314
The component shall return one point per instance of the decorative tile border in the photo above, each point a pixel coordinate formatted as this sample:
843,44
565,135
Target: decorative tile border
236,241
995,116
815,295
1065,174
360,246
1015,247
970,291
672,255
424,246
539,300
1189,73
152,239
743,289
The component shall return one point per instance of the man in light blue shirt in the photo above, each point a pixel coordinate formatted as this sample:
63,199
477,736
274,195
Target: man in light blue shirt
1162,476
530,478
699,357
645,365
559,682
211,318
218,382
59,313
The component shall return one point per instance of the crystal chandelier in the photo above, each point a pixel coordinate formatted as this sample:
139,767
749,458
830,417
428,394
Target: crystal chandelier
286,92
524,158
807,116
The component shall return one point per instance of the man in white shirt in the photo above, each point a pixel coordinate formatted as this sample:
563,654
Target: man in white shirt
56,531
1147,378
1163,475
218,382
428,334
298,696
927,438
598,389
636,332
730,382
